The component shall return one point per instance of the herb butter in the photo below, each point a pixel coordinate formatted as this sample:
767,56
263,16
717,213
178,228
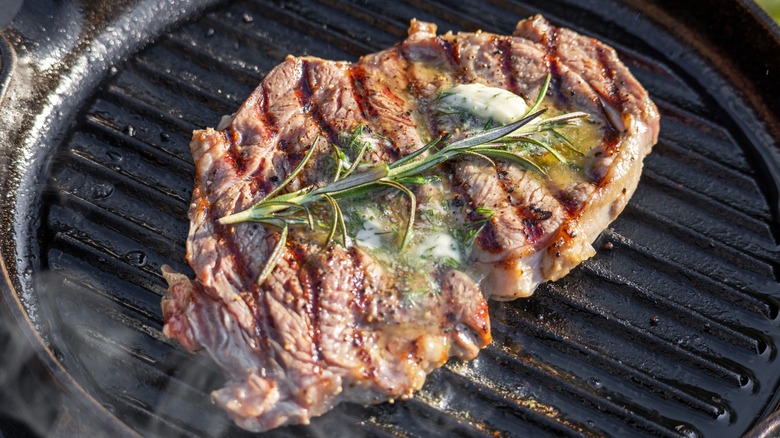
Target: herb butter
487,103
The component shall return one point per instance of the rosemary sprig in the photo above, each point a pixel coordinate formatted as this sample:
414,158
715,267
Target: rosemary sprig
474,228
380,174
500,143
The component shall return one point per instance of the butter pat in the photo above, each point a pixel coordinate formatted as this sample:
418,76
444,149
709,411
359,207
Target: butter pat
487,103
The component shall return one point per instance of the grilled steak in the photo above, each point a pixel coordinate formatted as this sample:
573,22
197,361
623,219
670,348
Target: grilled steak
352,320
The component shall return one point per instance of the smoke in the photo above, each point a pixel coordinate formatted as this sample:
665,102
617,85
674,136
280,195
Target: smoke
32,401
28,402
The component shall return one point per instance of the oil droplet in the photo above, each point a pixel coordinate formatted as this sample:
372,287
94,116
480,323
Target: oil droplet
595,383
136,258
102,191
209,32
654,320
164,136
686,431
114,156
130,130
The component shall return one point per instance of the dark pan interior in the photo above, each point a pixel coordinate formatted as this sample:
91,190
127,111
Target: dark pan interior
671,329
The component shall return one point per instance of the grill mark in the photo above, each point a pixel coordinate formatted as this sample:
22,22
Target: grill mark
612,136
311,286
505,50
399,102
460,189
362,299
552,60
617,98
272,131
231,157
239,263
450,50
531,229
225,236
415,90
263,114
260,329
361,303
294,156
614,95
233,138
486,239
570,205
305,98
357,74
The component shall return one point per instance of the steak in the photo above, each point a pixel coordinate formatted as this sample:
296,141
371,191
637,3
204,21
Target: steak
351,320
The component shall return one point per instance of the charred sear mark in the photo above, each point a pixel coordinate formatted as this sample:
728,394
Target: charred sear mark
361,295
270,130
616,97
505,51
550,41
569,204
311,281
308,78
488,240
539,214
451,50
460,193
234,151
532,229
358,79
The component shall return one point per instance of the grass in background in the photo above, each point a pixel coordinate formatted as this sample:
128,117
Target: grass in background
772,7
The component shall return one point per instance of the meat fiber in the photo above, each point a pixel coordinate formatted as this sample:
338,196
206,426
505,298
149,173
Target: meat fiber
336,323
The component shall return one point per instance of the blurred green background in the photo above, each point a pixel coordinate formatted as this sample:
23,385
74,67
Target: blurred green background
772,7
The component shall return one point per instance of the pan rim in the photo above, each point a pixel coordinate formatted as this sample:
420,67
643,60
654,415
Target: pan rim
17,309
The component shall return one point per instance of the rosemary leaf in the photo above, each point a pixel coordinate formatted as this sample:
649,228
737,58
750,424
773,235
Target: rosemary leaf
418,180
295,171
513,158
334,223
359,157
340,159
478,155
543,145
371,175
476,227
492,134
294,206
274,257
415,154
542,93
568,144
412,209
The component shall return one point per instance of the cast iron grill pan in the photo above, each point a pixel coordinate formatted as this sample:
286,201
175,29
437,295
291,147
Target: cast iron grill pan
670,330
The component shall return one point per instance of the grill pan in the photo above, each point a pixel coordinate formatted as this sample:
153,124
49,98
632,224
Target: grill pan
670,330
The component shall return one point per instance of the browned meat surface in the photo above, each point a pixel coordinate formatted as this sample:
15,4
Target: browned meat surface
338,323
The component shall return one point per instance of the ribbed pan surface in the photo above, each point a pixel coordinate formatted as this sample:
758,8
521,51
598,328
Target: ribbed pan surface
670,330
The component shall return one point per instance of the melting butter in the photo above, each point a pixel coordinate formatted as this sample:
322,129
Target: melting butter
436,245
373,227
488,103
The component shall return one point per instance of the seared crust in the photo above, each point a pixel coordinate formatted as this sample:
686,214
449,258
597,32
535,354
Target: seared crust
332,324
